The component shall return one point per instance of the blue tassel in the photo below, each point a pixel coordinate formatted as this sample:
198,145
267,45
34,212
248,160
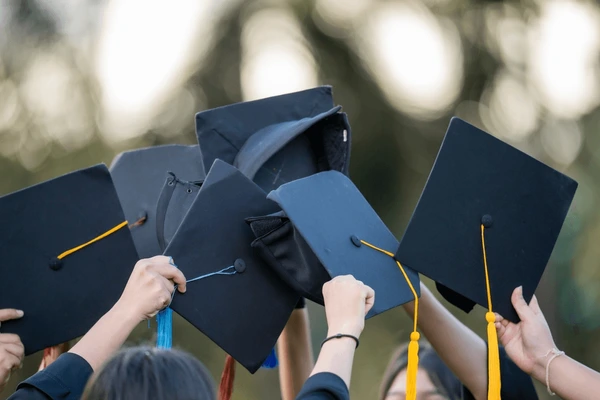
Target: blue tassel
271,361
164,333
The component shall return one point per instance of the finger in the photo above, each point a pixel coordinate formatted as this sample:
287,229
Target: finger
14,349
9,361
500,329
499,317
534,305
9,338
520,304
369,294
168,285
160,260
7,314
170,272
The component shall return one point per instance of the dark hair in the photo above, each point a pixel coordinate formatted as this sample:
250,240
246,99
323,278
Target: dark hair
441,376
149,373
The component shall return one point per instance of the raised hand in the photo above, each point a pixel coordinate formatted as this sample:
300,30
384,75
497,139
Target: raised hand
347,301
528,342
11,349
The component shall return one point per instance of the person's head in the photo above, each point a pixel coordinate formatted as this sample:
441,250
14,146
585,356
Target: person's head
435,381
149,373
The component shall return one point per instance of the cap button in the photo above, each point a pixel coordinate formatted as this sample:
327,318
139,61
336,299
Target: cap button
487,221
239,265
355,241
56,264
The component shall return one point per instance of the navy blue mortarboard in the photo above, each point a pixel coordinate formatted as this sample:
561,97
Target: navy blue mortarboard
487,222
233,296
479,180
346,235
66,256
278,139
273,141
156,186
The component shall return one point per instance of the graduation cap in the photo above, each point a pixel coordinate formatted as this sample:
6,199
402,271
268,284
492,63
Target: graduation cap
232,296
277,139
348,237
66,256
156,186
284,249
487,222
335,220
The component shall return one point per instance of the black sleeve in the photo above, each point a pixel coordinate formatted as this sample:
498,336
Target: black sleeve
516,384
64,379
324,386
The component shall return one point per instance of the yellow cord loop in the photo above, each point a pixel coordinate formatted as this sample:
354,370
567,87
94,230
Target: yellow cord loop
413,346
494,383
105,234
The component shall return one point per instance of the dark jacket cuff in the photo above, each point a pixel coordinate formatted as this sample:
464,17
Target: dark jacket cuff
322,386
64,379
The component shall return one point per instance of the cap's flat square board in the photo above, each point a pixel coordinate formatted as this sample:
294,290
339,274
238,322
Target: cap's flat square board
474,175
243,313
327,209
41,222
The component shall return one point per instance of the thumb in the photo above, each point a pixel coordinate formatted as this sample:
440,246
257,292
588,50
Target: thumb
520,305
10,313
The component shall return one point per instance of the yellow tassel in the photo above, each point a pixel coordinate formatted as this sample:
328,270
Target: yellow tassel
413,366
493,349
493,358
413,346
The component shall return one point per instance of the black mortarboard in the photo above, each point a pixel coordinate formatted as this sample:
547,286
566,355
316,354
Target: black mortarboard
66,256
284,249
236,300
156,186
336,221
278,139
479,180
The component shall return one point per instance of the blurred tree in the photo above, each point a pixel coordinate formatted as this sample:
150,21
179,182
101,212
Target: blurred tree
51,123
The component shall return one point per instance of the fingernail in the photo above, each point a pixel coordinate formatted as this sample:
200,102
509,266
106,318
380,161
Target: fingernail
171,261
20,313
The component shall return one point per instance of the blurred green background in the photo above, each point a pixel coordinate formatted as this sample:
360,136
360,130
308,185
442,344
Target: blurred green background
81,81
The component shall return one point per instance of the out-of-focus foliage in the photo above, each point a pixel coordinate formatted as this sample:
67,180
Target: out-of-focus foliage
83,80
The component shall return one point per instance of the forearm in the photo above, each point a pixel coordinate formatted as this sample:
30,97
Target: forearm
463,351
336,356
570,379
295,354
106,336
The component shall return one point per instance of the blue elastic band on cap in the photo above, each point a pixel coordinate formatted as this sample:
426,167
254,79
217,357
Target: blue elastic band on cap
164,319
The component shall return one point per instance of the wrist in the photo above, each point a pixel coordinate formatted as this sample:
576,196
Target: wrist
538,371
540,365
341,341
345,330
127,314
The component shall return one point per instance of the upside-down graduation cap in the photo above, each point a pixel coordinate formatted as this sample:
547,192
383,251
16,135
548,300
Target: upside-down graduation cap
277,139
348,237
66,256
232,296
486,207
338,224
156,186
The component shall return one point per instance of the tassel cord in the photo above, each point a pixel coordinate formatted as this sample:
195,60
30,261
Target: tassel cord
494,383
413,346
